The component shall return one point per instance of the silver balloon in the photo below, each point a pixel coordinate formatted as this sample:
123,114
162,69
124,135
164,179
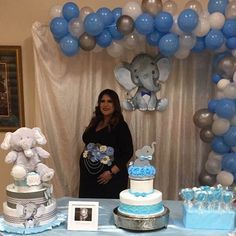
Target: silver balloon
207,179
203,118
153,7
84,11
170,6
213,166
194,5
125,24
206,135
226,65
87,42
230,11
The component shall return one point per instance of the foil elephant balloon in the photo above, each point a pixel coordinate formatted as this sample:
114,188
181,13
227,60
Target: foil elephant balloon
143,76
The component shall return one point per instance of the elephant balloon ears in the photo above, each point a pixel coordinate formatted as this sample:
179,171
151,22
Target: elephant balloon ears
123,76
164,67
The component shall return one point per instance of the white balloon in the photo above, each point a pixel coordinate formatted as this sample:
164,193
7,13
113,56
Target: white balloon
225,178
219,95
187,41
202,28
233,121
233,52
205,14
170,6
182,53
175,27
220,126
132,9
131,41
216,20
213,166
216,156
76,27
115,49
55,11
230,11
230,91
222,83
84,11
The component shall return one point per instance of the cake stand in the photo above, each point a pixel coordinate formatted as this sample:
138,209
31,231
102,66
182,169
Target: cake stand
141,224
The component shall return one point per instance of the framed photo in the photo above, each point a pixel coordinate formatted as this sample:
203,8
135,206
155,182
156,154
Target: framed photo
82,215
11,89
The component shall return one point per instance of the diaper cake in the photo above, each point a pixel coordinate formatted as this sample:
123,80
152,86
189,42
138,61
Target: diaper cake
29,206
208,208
141,206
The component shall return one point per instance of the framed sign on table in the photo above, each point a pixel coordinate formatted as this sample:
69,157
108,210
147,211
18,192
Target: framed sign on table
11,89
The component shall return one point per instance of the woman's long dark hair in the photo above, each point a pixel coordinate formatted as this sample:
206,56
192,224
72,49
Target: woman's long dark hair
98,116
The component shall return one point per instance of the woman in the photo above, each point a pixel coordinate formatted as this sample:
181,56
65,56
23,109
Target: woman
108,148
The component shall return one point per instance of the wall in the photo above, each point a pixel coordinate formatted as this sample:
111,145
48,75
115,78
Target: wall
16,19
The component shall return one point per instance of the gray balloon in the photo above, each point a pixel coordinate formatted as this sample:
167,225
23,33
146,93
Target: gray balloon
206,135
203,118
227,66
125,24
87,42
152,7
207,179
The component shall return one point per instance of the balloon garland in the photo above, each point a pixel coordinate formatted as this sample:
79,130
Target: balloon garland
193,29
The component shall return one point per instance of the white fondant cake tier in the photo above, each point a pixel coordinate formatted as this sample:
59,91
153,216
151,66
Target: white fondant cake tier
141,186
11,216
141,206
29,206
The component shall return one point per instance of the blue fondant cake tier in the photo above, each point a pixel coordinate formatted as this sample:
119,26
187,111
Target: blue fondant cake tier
142,171
147,210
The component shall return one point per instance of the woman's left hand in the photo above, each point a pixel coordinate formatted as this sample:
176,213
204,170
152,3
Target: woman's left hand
105,177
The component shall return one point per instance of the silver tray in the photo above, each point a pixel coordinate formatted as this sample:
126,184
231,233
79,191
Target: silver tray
141,224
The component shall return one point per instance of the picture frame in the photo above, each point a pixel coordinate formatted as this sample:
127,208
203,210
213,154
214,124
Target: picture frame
11,89
83,215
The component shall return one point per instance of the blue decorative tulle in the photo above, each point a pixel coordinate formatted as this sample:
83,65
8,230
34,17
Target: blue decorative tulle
61,218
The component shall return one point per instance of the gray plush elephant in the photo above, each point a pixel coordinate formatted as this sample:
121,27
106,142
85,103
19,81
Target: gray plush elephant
145,74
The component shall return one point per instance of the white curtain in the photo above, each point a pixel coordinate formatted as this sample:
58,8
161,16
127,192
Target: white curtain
66,94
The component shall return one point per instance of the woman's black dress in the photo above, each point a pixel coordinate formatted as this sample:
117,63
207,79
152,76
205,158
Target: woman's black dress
120,139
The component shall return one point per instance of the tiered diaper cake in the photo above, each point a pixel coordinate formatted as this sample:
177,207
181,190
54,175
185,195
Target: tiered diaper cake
141,206
208,208
29,203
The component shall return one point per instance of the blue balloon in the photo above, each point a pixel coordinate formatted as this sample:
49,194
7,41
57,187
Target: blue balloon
217,6
104,39
144,24
59,27
199,45
231,43
106,16
115,33
117,13
69,45
154,38
212,105
229,28
218,145
70,10
230,136
225,108
214,39
215,78
229,162
188,20
169,44
163,22
93,24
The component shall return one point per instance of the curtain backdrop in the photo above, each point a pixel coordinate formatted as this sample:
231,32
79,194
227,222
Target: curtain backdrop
66,94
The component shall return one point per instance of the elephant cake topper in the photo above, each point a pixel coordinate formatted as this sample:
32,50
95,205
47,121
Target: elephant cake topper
26,156
143,76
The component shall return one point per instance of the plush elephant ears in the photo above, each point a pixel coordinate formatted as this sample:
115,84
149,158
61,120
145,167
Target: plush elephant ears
39,137
164,68
5,145
123,76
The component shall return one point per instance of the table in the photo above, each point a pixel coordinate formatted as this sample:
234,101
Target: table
106,222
